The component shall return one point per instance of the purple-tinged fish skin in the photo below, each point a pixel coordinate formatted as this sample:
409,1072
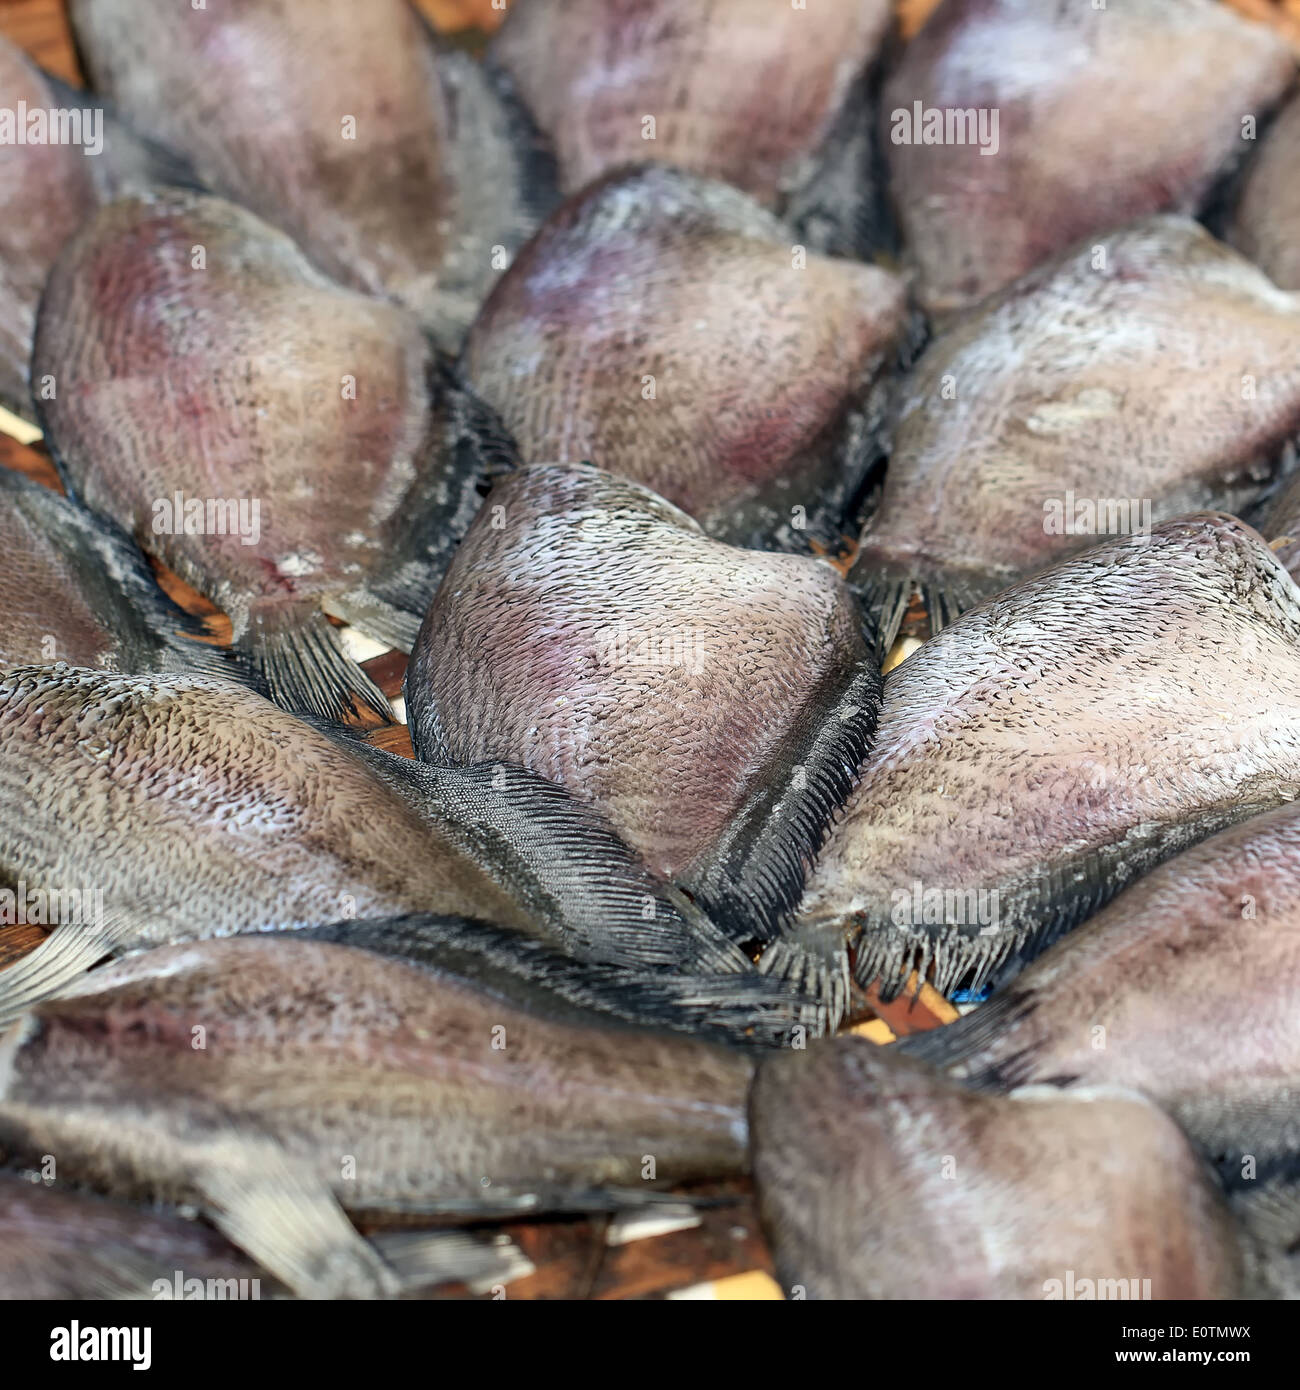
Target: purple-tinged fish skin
399,172
763,95
1152,374
663,327
48,191
713,702
866,1162
198,361
986,203
1059,740
57,1243
1266,222
328,1076
1185,988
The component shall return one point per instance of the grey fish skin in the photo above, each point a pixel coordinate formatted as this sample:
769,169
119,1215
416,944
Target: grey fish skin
1265,224
1211,934
1166,381
867,1162
166,791
714,703
1280,525
252,382
76,589
1188,71
661,326
417,200
329,1075
771,99
1059,740
57,1243
48,191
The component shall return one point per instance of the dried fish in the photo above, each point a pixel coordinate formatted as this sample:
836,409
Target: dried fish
280,443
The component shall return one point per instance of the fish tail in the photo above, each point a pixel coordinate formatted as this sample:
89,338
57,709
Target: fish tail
886,590
971,1048
306,671
815,967
728,1007
68,952
753,878
425,1259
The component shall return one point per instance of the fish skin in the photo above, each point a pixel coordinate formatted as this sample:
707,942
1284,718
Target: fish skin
413,207
1280,525
76,589
771,99
866,1162
1124,384
678,691
769,380
1187,72
1208,939
58,181
167,791
228,382
58,1243
1060,739
1266,222
315,1053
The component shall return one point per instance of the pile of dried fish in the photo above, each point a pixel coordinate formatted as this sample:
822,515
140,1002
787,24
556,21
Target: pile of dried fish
570,370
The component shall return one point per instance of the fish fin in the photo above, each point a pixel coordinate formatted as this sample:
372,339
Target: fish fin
1034,911
504,1203
886,591
288,1221
468,449
841,208
731,1008
814,966
962,1047
116,578
65,955
564,858
301,660
753,877
425,1259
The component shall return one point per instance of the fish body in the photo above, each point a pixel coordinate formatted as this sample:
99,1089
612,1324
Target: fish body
58,1243
321,1075
1266,222
867,1163
998,158
1209,937
398,171
156,793
1057,741
278,442
769,97
712,702
1146,375
665,327
48,191
76,589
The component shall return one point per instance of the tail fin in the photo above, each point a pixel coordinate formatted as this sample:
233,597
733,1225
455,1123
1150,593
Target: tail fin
562,859
306,670
729,1008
